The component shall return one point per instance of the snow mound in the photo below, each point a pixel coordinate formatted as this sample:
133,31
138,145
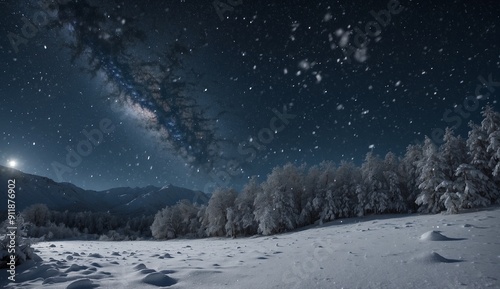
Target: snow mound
139,267
435,236
82,284
159,279
75,268
433,258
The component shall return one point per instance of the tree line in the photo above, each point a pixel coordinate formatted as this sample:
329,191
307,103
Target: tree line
458,174
41,222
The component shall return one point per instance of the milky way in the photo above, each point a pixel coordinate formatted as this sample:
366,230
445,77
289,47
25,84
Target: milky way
151,88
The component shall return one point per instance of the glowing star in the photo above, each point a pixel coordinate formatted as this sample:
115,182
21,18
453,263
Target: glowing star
12,163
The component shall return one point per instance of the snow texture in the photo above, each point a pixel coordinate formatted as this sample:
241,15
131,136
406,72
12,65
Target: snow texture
412,251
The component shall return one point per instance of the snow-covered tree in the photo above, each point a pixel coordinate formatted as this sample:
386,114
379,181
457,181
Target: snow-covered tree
494,149
477,143
393,180
325,203
347,190
471,185
245,222
491,120
376,198
453,153
174,221
37,214
318,190
265,213
203,220
188,217
409,175
232,222
162,227
216,212
23,249
491,127
278,207
309,213
431,175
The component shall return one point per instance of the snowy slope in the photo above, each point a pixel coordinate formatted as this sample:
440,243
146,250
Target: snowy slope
415,251
32,189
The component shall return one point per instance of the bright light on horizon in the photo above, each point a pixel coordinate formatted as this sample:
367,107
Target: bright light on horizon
12,163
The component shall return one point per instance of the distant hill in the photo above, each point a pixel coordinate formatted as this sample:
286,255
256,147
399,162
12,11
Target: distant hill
32,189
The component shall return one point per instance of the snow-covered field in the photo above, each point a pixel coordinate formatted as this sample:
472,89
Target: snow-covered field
416,251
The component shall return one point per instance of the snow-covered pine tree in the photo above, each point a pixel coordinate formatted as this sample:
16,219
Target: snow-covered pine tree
376,198
453,153
396,202
450,197
431,175
491,120
477,144
409,174
491,126
494,149
470,183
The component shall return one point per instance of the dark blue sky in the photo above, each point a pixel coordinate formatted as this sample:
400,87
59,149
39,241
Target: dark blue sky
409,79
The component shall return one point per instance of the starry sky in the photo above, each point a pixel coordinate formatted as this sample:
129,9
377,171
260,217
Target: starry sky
304,81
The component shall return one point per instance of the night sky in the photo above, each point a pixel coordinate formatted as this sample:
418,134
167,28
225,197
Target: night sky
345,92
